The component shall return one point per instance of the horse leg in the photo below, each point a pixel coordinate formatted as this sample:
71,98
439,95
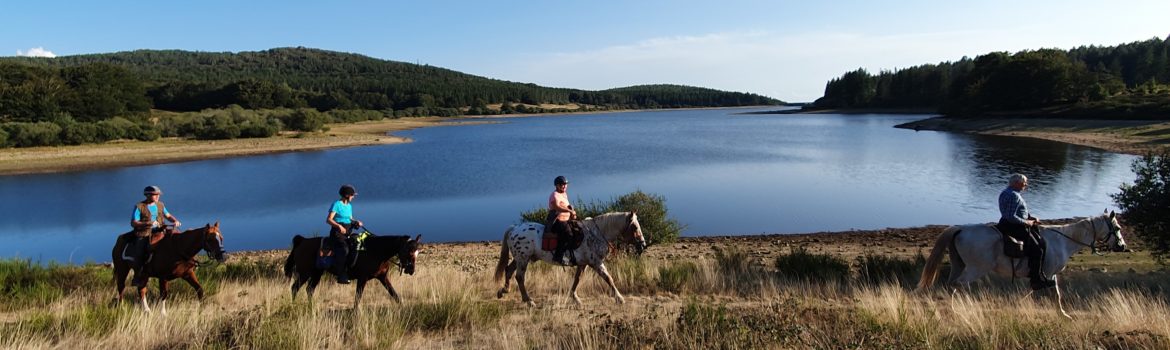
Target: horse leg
162,296
313,280
120,273
296,286
194,282
385,279
142,294
1059,302
507,279
601,270
576,280
521,269
357,297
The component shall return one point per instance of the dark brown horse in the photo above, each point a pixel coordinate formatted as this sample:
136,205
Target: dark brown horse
173,257
372,263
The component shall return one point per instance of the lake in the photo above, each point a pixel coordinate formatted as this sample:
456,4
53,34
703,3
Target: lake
722,173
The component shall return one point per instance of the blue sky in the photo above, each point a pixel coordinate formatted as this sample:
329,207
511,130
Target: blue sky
782,49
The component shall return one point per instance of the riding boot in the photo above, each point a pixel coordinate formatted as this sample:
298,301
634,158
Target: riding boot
1035,263
341,261
141,254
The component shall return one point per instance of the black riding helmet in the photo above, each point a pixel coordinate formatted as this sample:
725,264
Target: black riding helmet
347,190
151,190
560,180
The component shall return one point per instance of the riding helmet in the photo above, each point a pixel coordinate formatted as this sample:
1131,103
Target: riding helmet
151,190
347,190
560,180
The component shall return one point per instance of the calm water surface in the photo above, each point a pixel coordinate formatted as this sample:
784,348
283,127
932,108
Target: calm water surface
721,172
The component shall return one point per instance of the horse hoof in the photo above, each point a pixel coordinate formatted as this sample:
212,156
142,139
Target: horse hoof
530,303
500,294
621,300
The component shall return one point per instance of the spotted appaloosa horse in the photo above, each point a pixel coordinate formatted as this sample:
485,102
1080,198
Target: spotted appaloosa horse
977,250
523,242
173,257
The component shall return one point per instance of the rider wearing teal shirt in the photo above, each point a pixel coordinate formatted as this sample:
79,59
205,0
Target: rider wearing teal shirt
341,224
147,220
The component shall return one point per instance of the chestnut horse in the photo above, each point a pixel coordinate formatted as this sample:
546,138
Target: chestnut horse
174,257
373,262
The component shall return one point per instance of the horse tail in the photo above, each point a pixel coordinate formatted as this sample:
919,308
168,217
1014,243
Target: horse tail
503,264
290,263
934,262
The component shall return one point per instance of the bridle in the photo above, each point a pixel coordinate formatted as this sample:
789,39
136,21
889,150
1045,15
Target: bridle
1092,244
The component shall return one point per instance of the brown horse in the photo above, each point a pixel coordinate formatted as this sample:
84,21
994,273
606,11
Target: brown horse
174,257
372,263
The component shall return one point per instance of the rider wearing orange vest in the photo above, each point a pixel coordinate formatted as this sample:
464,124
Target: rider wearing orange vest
148,219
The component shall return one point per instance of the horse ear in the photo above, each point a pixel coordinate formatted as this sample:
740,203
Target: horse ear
208,226
1112,214
216,223
418,238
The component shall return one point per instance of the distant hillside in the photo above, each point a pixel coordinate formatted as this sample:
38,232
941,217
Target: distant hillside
295,78
1123,81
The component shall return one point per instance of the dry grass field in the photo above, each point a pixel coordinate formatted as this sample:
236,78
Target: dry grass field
823,290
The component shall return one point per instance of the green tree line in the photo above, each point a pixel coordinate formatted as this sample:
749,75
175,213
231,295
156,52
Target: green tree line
101,97
1126,80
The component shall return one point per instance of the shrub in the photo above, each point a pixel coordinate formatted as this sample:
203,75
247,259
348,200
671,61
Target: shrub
1146,203
878,269
218,127
657,227
79,133
676,277
800,264
306,119
737,271
32,134
3,138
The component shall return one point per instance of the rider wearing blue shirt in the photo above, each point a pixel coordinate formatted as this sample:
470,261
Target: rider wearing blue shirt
1016,222
341,224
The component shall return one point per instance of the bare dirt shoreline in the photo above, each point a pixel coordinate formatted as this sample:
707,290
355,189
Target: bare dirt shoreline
1121,136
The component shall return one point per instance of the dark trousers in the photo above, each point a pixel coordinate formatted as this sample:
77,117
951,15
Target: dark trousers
1033,245
561,228
339,244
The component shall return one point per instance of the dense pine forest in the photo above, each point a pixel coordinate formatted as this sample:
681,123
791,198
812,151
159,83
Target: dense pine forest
1123,81
100,97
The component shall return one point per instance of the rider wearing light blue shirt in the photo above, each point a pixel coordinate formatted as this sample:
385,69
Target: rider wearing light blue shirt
341,224
1015,221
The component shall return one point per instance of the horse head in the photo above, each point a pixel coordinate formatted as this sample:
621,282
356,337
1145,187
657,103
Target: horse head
1113,238
213,242
634,233
408,253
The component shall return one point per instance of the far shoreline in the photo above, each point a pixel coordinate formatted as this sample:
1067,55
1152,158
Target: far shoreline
1136,137
127,153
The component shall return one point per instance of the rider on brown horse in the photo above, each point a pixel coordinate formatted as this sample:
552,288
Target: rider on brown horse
341,225
559,214
147,221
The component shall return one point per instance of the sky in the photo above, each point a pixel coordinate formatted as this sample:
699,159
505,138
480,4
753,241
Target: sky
782,49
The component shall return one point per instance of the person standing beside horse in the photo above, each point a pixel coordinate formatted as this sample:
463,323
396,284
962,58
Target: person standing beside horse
559,214
147,222
341,224
1016,222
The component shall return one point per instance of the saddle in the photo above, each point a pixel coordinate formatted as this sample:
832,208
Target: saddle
548,241
1012,247
356,243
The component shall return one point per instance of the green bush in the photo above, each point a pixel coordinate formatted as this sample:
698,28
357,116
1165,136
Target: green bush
306,119
657,226
1146,203
799,264
22,134
878,269
676,277
80,133
24,284
355,115
3,138
218,127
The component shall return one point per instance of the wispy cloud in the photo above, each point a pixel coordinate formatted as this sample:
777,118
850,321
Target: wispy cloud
793,67
36,52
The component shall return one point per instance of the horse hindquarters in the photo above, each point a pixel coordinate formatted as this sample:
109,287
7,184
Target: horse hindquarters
934,262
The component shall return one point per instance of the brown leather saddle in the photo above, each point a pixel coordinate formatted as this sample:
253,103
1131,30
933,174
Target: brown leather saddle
548,240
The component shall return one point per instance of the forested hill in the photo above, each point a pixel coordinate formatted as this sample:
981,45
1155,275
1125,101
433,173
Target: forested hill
301,77
1123,81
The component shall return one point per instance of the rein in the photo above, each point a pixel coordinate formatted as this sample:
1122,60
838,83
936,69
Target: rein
1092,244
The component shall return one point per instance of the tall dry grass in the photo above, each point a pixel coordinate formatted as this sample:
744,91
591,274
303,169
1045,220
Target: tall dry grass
730,302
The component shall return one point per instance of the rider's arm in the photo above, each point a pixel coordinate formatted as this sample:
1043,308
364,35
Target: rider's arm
138,225
329,220
172,218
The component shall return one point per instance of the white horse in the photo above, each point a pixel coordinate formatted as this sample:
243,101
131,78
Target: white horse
978,250
523,242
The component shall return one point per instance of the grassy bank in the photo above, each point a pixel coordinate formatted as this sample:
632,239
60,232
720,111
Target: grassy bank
731,299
